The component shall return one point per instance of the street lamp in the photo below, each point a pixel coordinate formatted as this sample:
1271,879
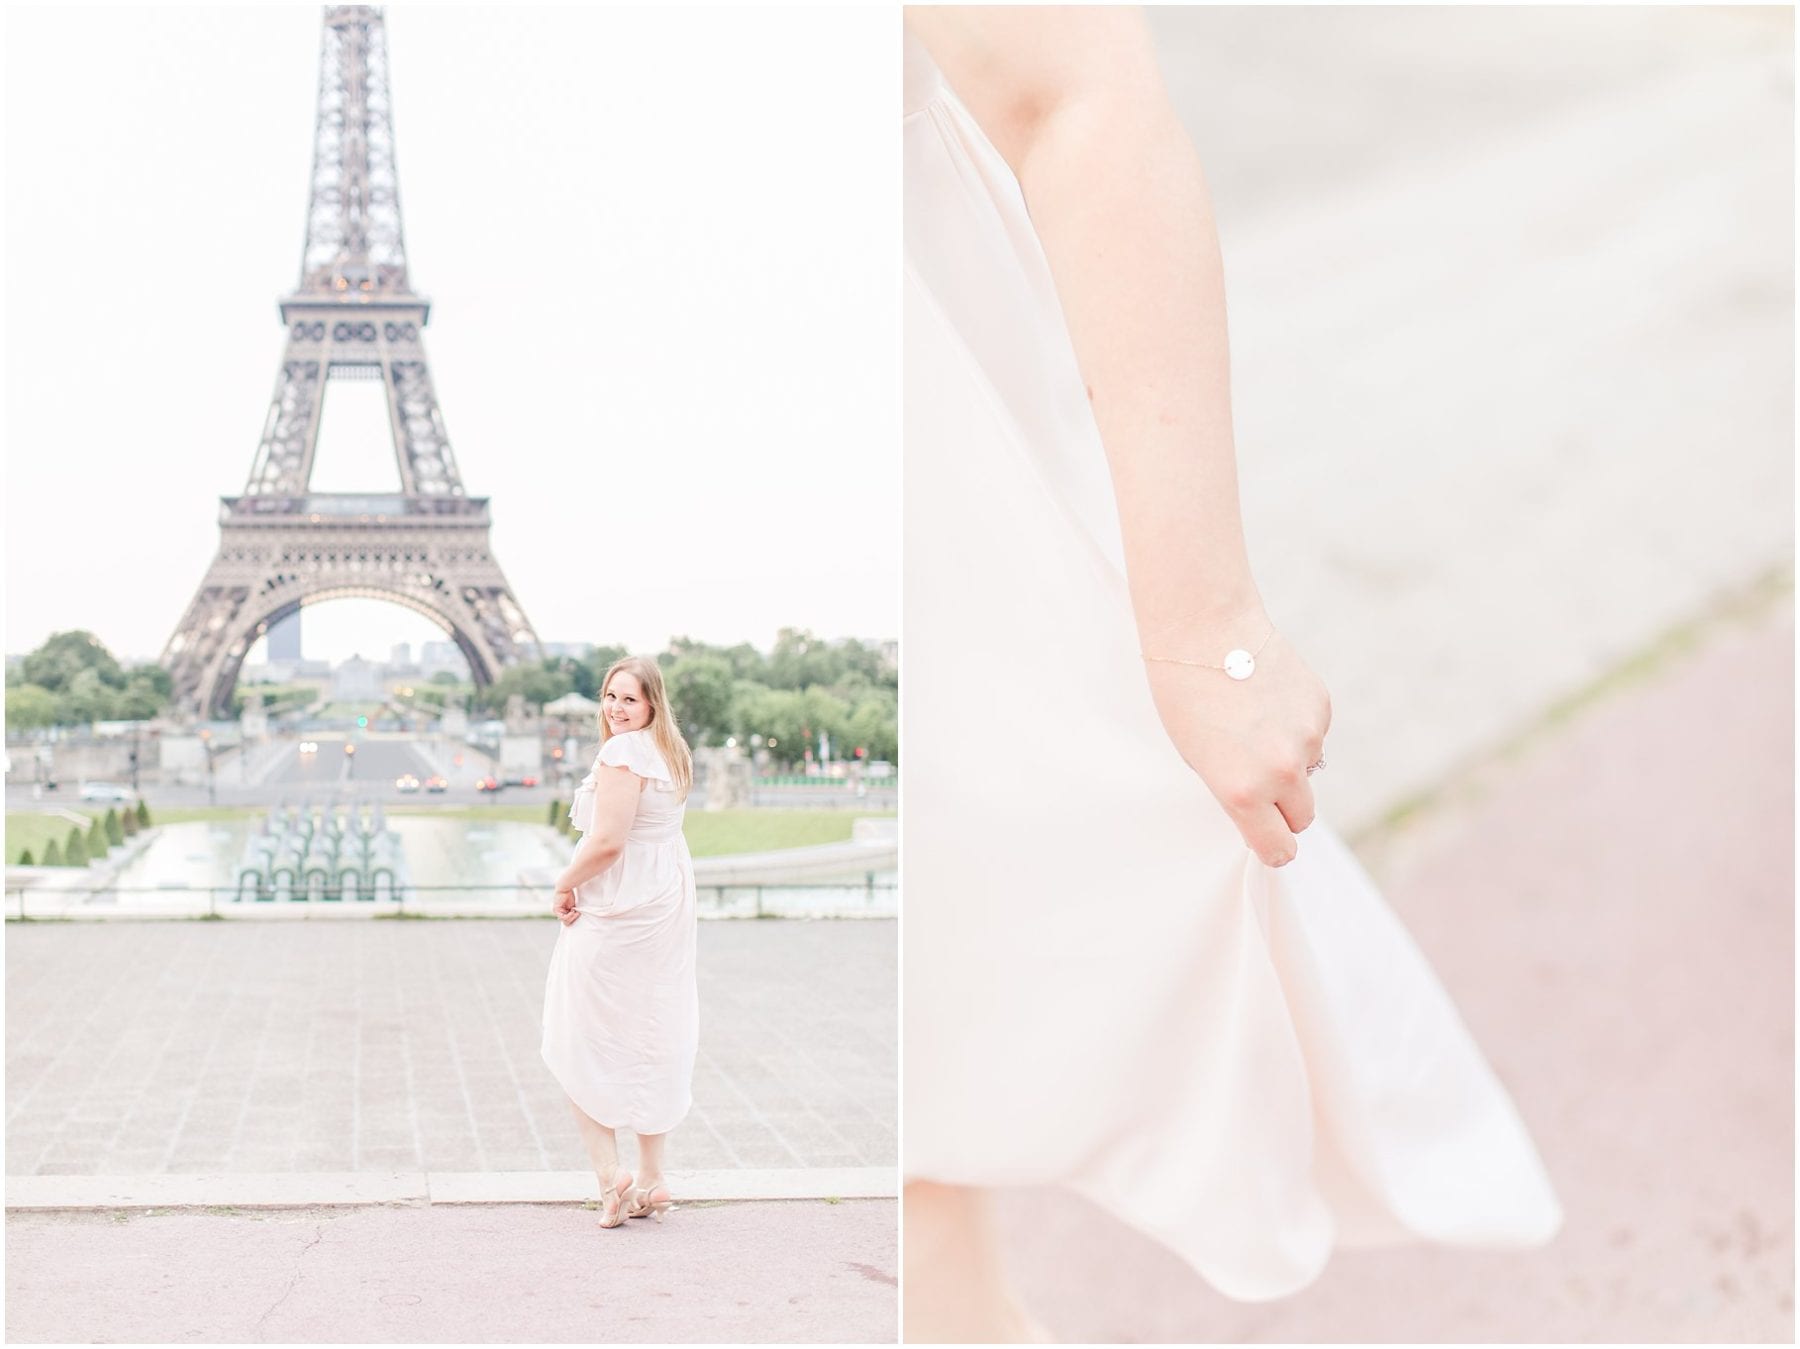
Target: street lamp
212,792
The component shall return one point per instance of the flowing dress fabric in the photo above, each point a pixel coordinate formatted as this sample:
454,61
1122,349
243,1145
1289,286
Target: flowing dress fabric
1108,989
621,1004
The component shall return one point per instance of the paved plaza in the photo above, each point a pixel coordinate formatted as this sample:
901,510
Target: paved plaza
412,1046
1496,275
520,1274
1613,911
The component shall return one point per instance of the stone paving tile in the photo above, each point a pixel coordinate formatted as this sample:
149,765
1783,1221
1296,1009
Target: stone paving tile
244,1047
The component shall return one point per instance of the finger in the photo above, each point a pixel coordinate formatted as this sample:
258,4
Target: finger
1267,834
1296,806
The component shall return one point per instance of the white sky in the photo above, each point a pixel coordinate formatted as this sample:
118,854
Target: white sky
662,249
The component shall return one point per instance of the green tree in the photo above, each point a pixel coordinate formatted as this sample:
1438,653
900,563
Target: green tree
115,832
87,698
29,706
64,655
75,851
128,822
598,662
556,813
800,660
139,700
25,856
764,714
157,678
746,662
96,839
539,683
52,854
143,813
700,688
874,725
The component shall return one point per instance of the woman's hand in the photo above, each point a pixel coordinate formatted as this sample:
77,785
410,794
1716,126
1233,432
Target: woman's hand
564,907
1250,740
1072,97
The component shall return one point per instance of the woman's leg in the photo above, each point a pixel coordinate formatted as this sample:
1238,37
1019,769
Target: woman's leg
956,1288
603,1152
652,1196
650,1159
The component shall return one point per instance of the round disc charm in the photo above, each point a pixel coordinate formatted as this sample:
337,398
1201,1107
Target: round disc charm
1240,664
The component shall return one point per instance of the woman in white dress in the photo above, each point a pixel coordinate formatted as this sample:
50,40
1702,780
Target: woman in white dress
621,1006
1126,972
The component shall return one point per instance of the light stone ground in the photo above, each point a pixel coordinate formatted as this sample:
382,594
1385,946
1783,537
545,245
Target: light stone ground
1511,310
510,1274
190,1047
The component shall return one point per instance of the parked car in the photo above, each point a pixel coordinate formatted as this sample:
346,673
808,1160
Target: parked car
435,783
309,746
488,784
520,782
106,791
406,782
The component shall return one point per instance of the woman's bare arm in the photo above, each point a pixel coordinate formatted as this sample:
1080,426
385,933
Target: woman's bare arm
1074,101
616,794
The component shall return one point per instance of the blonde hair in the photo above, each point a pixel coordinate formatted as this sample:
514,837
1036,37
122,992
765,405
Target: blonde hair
664,731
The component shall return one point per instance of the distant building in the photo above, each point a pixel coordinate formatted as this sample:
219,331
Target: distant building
442,658
356,681
284,639
401,655
574,650
286,672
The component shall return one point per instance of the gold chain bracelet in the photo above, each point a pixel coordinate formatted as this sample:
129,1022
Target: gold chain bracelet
1239,663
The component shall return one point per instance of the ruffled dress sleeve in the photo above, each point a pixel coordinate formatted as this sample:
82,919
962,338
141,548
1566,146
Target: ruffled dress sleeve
633,750
636,751
581,805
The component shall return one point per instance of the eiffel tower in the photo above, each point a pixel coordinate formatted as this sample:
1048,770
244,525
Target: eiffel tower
354,315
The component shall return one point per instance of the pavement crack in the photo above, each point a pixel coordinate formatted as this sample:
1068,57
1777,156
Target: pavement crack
876,1275
317,1237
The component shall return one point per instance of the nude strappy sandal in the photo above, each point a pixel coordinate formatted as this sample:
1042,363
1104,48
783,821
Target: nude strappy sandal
638,1204
620,1192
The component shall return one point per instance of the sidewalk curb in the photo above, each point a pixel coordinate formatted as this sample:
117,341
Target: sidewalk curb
354,1188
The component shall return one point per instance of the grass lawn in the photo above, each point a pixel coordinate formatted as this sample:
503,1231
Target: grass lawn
710,833
33,829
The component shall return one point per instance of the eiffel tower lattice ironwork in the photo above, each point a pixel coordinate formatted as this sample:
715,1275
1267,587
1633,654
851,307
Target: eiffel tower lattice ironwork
354,315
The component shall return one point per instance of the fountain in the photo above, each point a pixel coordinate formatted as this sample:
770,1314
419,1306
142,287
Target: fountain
326,854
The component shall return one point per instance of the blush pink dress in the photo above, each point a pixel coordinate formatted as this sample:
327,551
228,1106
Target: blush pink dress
1105,989
621,1004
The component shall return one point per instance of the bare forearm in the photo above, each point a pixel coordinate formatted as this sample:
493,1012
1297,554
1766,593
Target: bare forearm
594,856
1120,203
1074,100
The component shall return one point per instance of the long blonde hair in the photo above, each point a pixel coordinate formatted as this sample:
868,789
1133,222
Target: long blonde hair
664,731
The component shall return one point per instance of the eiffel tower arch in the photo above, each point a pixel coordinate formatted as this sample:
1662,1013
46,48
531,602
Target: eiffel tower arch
355,316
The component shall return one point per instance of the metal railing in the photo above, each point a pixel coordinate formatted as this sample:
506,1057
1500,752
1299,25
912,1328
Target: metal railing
870,896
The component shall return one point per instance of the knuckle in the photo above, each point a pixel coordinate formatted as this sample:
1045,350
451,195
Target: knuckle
1241,797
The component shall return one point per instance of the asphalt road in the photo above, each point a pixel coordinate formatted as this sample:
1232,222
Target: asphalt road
325,773
376,763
